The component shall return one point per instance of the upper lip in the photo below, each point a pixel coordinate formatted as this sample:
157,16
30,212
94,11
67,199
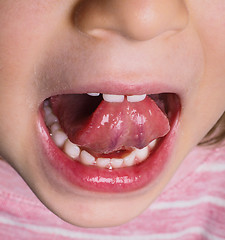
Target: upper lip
116,87
112,67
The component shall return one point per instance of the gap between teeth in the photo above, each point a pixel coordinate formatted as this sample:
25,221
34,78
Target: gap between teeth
119,98
76,153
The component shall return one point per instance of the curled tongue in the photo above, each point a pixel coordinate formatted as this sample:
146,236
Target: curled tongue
105,127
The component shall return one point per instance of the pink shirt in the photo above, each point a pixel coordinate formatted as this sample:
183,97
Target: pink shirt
191,207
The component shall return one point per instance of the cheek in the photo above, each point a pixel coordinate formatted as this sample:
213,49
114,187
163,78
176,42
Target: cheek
23,33
24,38
206,103
28,29
210,24
20,44
211,31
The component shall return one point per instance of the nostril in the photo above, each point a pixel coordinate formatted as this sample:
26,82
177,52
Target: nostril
135,19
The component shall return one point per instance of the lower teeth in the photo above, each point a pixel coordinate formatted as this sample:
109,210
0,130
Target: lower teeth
78,154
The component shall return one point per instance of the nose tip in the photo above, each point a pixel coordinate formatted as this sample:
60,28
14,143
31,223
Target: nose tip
136,19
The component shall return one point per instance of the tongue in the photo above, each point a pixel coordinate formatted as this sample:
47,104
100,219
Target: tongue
111,126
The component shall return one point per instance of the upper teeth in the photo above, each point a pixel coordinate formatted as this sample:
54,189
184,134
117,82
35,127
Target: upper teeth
94,94
136,98
113,98
119,98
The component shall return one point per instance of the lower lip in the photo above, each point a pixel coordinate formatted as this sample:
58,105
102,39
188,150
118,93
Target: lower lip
96,179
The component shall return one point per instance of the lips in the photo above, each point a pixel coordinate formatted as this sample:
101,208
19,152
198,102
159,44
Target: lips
105,146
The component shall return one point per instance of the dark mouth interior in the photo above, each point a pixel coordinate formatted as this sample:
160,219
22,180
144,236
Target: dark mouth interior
82,106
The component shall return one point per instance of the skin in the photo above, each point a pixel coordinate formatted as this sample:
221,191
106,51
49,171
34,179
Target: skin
49,47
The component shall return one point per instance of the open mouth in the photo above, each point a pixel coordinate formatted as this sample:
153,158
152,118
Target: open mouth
110,143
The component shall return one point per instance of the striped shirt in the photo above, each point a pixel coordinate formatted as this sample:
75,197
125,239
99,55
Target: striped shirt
192,207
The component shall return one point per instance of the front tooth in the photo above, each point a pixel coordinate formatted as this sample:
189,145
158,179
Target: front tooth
59,138
136,98
129,160
113,98
71,149
103,162
93,94
142,154
87,158
116,162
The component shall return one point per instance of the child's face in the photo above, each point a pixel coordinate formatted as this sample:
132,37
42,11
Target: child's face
128,47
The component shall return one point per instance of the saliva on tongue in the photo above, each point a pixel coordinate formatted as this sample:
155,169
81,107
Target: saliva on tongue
111,126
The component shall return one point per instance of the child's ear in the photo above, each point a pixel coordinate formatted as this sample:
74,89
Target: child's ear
135,19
